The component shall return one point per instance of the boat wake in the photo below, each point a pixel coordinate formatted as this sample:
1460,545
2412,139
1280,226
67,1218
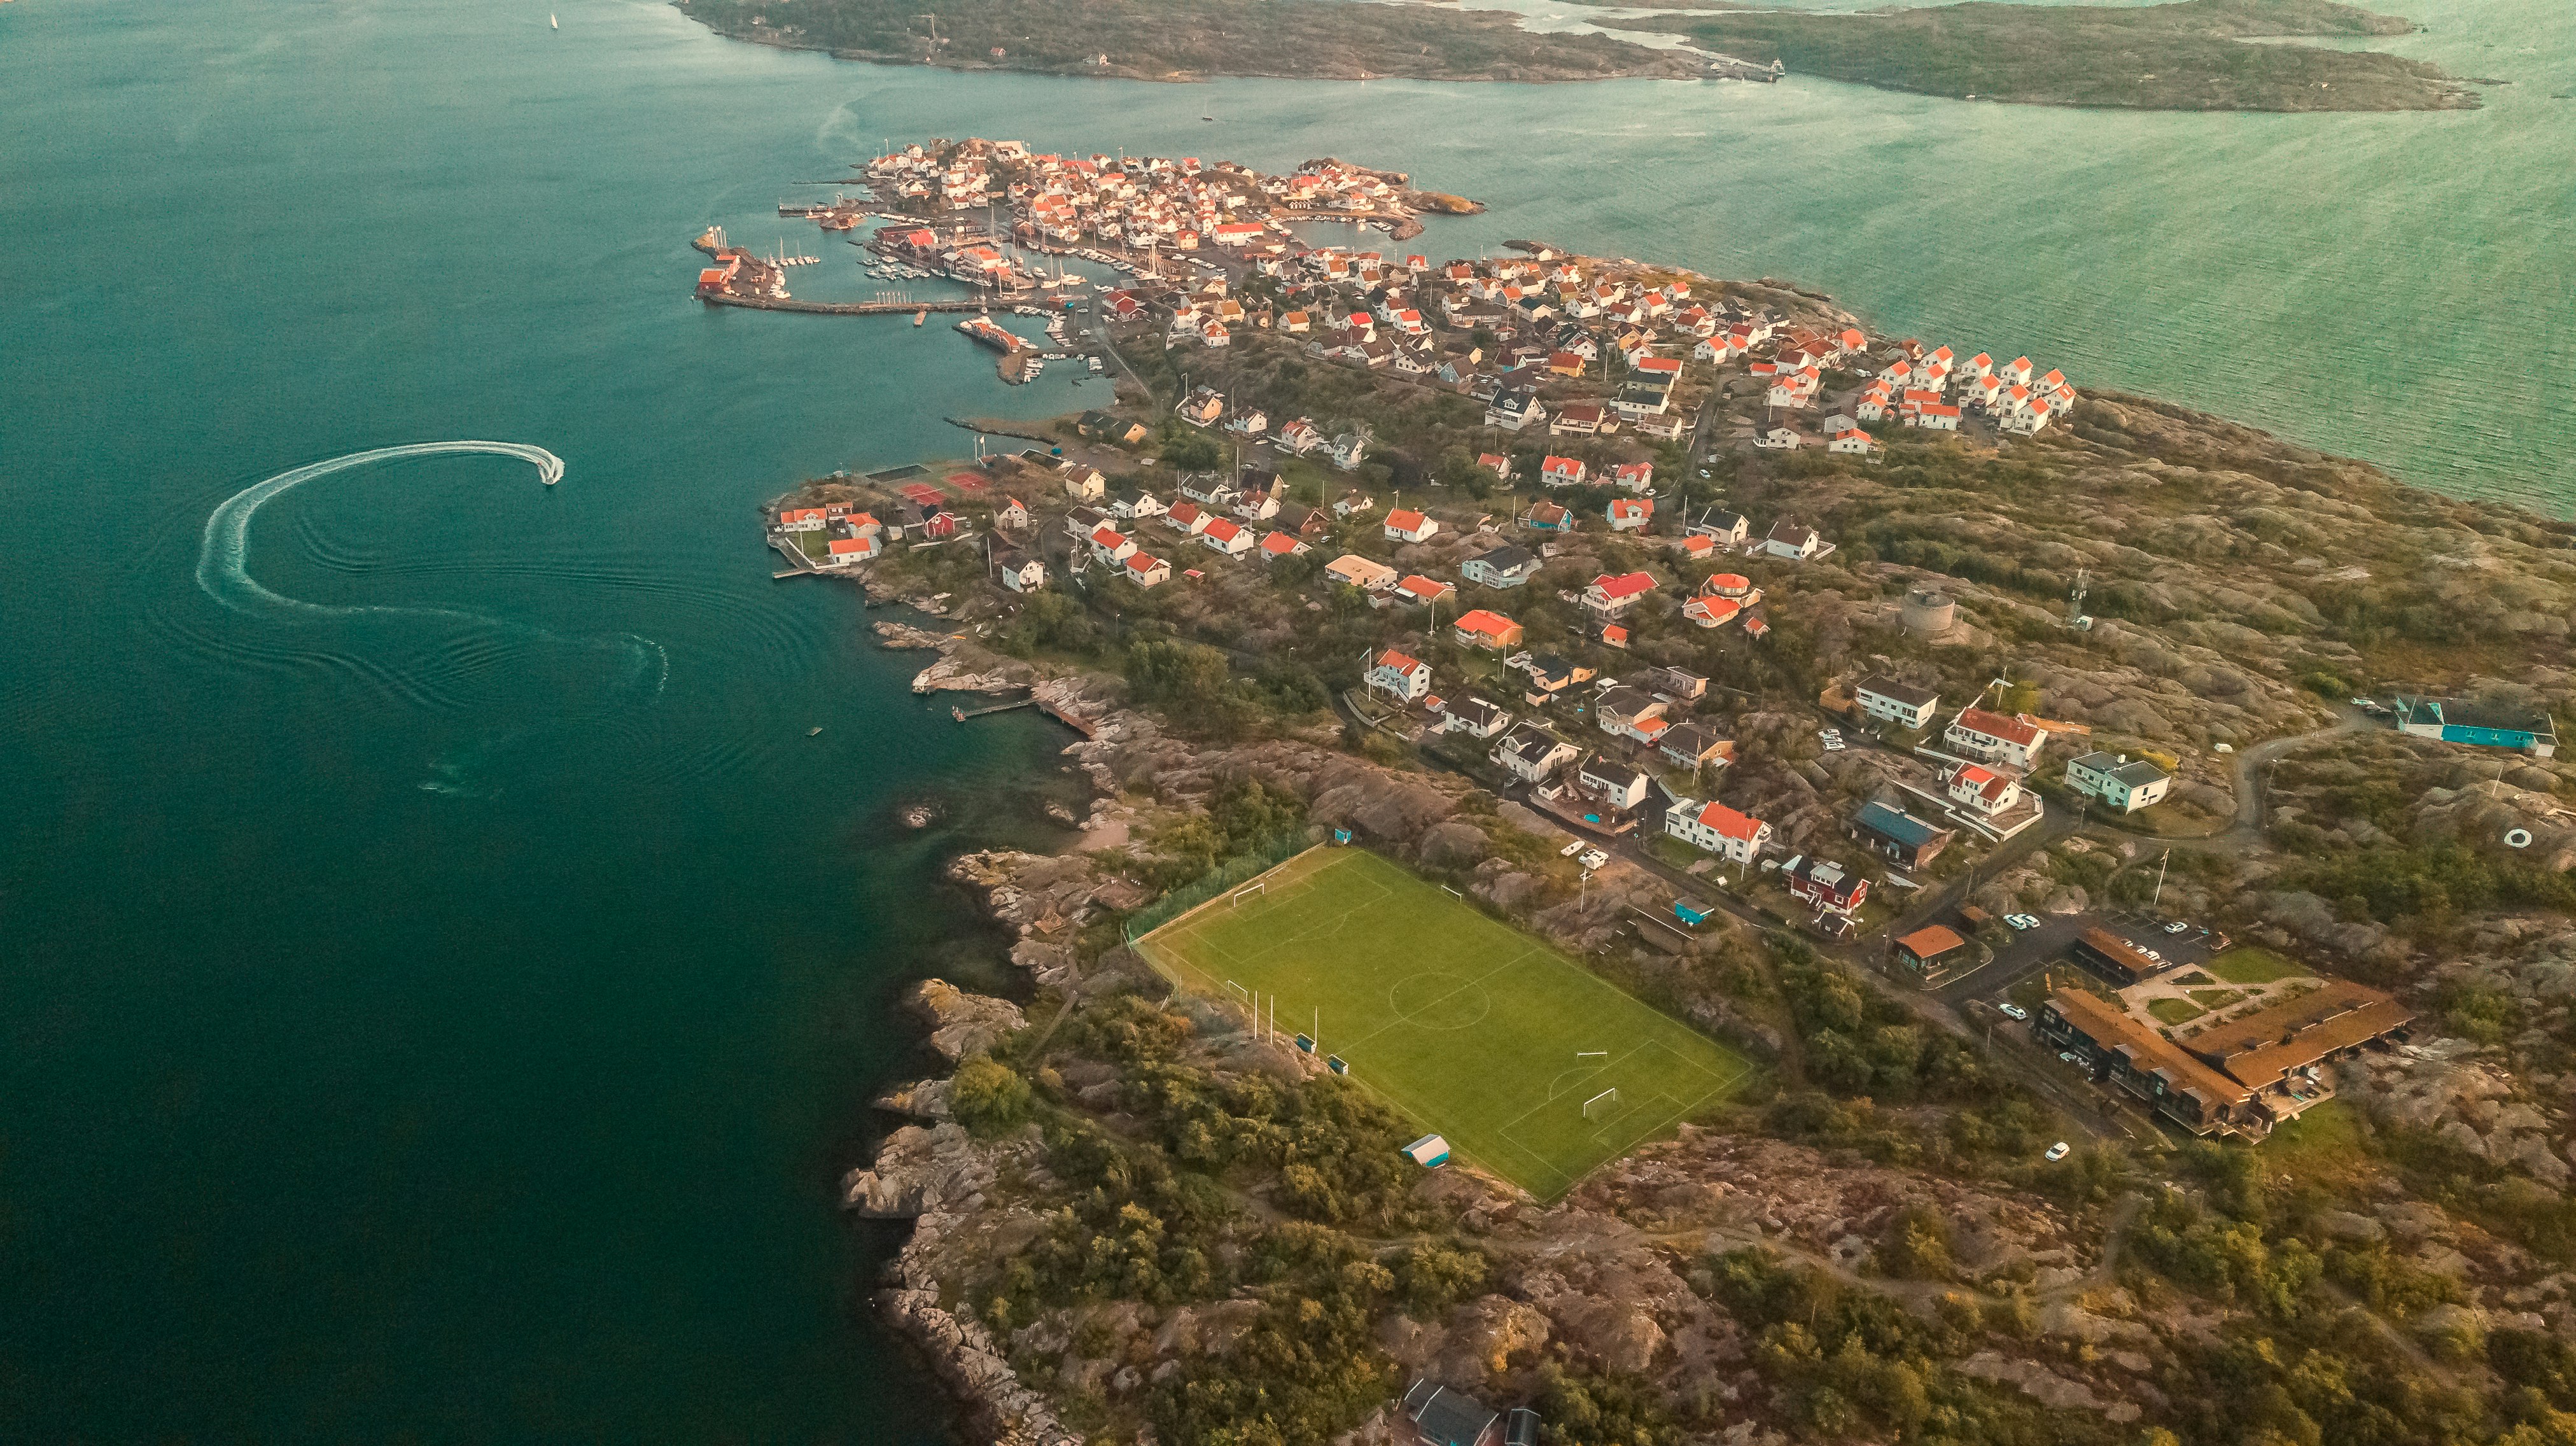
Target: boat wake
224,575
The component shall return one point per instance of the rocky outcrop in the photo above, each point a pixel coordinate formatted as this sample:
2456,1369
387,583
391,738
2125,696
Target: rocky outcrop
919,1171
999,1407
925,1099
961,1023
962,668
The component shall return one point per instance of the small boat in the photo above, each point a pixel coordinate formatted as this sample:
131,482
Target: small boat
551,22
921,316
813,731
957,713
1207,117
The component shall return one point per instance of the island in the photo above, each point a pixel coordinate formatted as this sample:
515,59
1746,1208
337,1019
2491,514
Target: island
1192,39
1665,865
2189,55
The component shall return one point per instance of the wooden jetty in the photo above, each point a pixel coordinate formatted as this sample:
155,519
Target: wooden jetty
961,714
838,308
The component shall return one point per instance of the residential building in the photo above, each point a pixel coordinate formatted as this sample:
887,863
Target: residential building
1630,514
802,519
1611,596
1728,528
1404,678
2116,959
1793,540
2119,781
1475,717
1531,753
1439,1416
1421,590
1695,745
1514,409
1482,629
1563,472
1111,545
1019,573
1994,738
1824,886
848,551
1547,517
1403,524
1145,570
2114,1045
1612,784
1983,789
1352,503
1901,838
1882,697
1736,837
1625,711
1281,544
1363,573
1505,566
1633,476
1230,538
1932,948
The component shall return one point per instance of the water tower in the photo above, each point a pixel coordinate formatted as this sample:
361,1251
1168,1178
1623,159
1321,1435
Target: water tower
1928,611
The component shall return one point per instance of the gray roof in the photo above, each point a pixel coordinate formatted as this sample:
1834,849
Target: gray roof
1506,558
1905,693
1689,740
1446,1417
2135,772
1530,743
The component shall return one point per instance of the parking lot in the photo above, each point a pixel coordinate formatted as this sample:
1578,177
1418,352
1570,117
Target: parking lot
2050,941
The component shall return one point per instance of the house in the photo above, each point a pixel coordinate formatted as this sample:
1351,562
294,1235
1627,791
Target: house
1110,545
1422,591
1612,635
1081,522
1401,677
1260,500
1901,838
1210,490
1187,518
1443,1417
2479,724
1513,409
1531,753
1729,529
1695,745
1231,539
1204,407
1363,573
1301,437
1624,711
1932,948
1633,476
1695,549
2120,782
1576,419
1673,683
1824,886
1146,571
1611,596
1563,472
1791,539
1475,717
1348,450
1479,628
1983,789
1101,426
1352,503
1136,506
1631,514
1735,837
1547,517
1936,417
1019,573
801,519
1851,440
1496,463
1011,514
1993,738
1550,675
1505,566
847,551
1890,701
1403,524
1779,439
1281,544
1613,785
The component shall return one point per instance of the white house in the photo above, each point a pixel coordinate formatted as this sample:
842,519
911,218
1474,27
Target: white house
1736,837
1614,784
1531,753
802,519
1793,540
2121,782
1475,717
1348,449
1110,545
1611,596
1994,738
1505,566
1146,571
1983,789
1779,439
1890,701
1633,476
1229,538
1405,679
1630,514
1403,524
1563,472
1020,574
1084,484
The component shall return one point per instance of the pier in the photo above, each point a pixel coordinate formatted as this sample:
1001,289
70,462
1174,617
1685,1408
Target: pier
836,308
962,714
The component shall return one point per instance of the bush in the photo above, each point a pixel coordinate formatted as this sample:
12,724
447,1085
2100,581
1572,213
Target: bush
988,1097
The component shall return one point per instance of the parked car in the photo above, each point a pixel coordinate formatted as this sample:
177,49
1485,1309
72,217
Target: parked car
2011,1010
2022,921
2057,1151
1595,859
2070,1056
2177,927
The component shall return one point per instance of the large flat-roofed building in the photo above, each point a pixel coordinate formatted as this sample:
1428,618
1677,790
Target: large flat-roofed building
2482,724
2115,958
2272,1044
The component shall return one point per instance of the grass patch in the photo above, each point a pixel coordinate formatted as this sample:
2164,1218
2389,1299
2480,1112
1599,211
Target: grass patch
2327,1144
2252,964
1467,1025
2216,998
2175,1011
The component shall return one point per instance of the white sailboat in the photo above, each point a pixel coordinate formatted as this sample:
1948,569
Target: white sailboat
551,22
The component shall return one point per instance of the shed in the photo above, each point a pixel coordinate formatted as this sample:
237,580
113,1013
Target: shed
1430,1152
1691,912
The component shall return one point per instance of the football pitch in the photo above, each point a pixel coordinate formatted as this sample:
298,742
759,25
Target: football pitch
1528,1063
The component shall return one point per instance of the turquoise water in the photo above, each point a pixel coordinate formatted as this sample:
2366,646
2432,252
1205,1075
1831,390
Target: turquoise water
447,1012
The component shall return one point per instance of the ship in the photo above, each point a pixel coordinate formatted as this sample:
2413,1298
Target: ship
984,331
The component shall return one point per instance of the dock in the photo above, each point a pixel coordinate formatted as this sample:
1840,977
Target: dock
838,308
962,714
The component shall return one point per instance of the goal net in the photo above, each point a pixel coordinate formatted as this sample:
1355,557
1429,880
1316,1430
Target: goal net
1600,1102
1250,889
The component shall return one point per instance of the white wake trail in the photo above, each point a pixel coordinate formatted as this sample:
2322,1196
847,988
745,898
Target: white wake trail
223,557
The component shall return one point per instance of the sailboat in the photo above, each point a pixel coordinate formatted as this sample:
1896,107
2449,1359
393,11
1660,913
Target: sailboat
551,22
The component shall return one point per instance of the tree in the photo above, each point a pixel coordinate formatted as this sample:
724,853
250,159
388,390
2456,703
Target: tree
988,1097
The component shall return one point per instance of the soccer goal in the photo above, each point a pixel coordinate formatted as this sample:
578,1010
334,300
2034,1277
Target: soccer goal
1593,1107
1250,889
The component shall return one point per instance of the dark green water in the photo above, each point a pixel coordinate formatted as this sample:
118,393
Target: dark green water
437,1025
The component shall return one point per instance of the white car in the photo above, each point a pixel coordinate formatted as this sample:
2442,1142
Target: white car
2022,921
2012,1011
1594,859
2177,926
2057,1151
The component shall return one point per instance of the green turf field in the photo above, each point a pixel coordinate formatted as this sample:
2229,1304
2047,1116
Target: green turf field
1469,1026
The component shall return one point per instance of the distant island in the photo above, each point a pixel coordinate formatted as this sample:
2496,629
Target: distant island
2193,55
1191,39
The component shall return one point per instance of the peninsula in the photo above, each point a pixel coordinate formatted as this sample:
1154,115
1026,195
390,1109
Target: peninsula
1667,866
2190,55
1192,39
